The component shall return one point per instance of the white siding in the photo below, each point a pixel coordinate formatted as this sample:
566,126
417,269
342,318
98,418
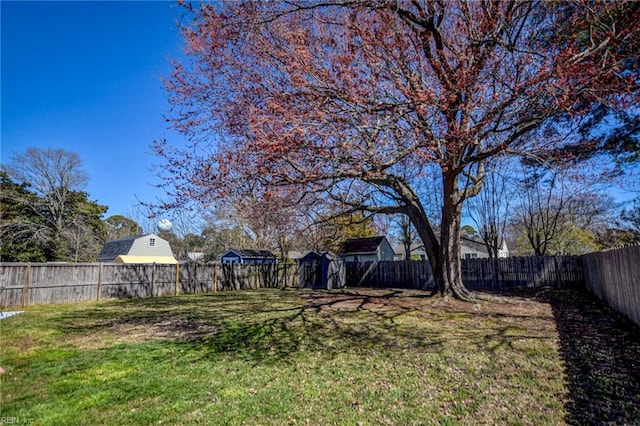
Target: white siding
385,251
371,257
467,252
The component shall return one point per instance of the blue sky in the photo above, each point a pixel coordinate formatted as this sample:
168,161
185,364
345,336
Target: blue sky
86,77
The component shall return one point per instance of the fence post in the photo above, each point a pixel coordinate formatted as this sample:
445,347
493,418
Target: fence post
100,272
256,278
177,279
25,289
196,283
284,276
215,277
153,276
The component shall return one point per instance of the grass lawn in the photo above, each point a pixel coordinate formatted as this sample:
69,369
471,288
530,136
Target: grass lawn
344,357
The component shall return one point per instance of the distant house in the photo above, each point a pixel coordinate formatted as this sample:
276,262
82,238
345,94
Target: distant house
417,252
371,249
251,257
469,249
472,249
475,249
148,248
503,251
195,256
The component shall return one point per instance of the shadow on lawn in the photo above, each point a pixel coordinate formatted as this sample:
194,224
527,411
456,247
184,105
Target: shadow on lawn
327,322
601,352
600,349
273,327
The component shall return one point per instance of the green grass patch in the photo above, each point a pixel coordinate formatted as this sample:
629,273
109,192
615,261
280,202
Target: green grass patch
286,357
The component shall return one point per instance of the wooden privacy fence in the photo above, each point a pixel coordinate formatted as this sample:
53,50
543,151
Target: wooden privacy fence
23,284
614,277
477,274
386,274
514,272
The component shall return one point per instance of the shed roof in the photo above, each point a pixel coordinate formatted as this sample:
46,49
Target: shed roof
464,242
253,254
297,254
474,244
113,249
415,248
362,245
320,254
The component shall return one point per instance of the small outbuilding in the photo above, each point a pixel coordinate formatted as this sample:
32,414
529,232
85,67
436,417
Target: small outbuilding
148,248
250,257
372,249
322,270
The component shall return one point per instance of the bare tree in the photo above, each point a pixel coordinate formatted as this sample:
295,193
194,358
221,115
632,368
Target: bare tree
82,242
406,234
541,201
489,210
144,216
56,177
52,174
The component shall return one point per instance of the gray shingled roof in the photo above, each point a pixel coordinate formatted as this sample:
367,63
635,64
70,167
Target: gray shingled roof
362,245
115,248
474,244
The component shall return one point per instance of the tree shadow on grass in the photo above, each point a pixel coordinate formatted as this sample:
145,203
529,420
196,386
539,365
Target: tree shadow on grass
272,326
263,333
331,322
600,350
601,353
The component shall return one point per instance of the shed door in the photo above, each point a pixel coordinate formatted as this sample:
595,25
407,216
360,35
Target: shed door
313,273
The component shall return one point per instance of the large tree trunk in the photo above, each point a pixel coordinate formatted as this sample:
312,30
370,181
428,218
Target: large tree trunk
429,240
444,253
450,283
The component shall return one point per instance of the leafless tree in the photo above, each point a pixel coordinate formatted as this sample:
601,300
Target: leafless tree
56,177
489,210
541,201
52,174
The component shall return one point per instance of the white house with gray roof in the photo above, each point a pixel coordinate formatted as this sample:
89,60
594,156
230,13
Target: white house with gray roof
469,249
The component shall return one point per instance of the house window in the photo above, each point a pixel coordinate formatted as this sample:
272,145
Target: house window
152,242
355,259
471,255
